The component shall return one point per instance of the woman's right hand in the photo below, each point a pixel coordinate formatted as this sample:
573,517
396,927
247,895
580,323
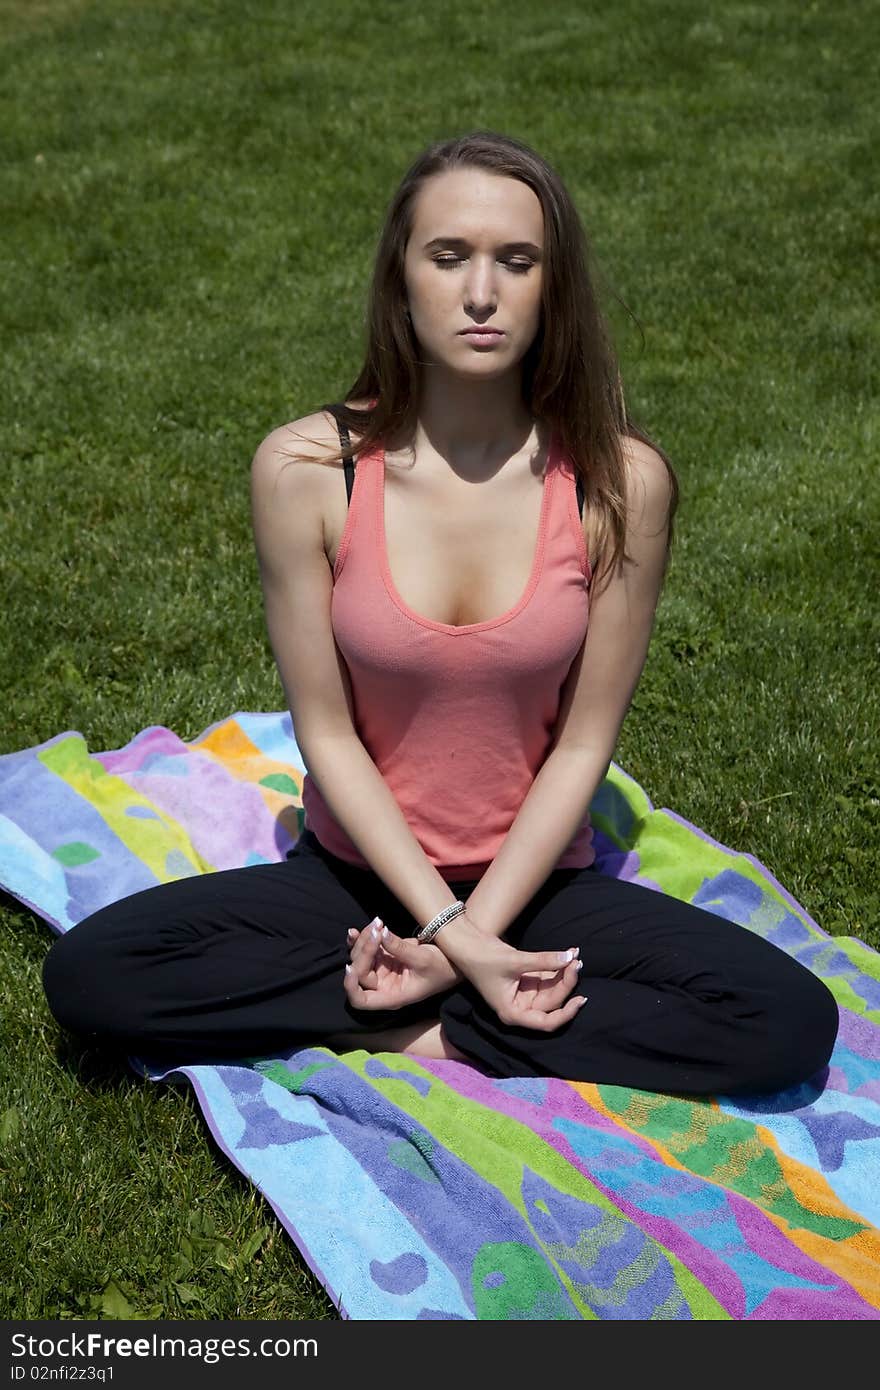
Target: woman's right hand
526,989
389,972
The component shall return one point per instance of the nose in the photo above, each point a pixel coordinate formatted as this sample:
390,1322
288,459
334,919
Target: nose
480,287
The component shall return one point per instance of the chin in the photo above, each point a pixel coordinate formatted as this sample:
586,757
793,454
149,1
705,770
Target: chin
482,372
468,365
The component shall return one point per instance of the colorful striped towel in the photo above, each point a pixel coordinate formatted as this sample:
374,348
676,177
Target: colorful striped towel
429,1190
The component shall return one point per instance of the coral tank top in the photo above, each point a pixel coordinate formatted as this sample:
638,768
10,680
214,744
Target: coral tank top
458,720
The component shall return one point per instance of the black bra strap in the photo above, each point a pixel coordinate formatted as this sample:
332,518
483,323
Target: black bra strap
345,440
580,496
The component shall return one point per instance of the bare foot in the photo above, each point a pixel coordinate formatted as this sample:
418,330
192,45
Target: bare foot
418,1040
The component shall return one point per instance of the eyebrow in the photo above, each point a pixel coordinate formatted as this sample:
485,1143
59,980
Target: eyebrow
438,241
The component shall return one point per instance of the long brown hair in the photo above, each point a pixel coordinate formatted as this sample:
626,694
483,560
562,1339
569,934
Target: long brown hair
570,375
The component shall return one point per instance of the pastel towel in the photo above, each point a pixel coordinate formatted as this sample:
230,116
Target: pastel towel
423,1190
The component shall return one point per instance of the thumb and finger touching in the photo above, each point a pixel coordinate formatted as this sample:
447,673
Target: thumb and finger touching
542,1003
546,1022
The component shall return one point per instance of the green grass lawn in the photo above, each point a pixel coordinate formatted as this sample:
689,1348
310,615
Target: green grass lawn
191,193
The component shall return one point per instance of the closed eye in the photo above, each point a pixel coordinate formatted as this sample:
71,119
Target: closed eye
518,266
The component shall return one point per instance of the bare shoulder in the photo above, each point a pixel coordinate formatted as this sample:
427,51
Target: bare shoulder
648,493
649,485
644,461
303,441
292,461
287,490
292,483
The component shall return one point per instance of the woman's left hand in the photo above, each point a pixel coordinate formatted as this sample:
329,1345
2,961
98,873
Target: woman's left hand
388,971
526,989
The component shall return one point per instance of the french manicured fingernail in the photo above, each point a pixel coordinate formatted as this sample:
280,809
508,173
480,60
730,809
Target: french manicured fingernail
348,970
566,957
376,922
351,933
375,933
384,933
579,967
584,998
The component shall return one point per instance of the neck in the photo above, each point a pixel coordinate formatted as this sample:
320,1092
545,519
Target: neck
474,426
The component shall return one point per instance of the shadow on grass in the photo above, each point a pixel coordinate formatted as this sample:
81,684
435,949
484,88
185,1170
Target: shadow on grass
99,1069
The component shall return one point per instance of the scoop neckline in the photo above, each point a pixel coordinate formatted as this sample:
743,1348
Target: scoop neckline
537,557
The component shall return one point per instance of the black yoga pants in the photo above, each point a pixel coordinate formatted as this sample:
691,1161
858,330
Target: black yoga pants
247,962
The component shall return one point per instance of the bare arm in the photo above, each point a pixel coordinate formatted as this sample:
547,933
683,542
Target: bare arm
297,586
595,699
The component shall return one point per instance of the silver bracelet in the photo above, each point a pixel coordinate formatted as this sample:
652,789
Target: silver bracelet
430,931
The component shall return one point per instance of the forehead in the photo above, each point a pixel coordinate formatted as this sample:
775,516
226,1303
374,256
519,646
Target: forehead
477,205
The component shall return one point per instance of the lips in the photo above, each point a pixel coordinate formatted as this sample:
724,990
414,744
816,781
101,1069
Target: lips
483,339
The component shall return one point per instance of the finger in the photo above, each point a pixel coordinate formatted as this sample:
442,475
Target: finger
548,960
366,940
358,948
355,932
372,929
530,986
549,994
361,950
357,996
402,948
547,1022
351,985
364,956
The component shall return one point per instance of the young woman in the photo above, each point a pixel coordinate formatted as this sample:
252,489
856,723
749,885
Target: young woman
459,621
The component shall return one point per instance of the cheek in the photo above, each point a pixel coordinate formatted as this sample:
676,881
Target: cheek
433,304
533,295
524,311
422,293
534,311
